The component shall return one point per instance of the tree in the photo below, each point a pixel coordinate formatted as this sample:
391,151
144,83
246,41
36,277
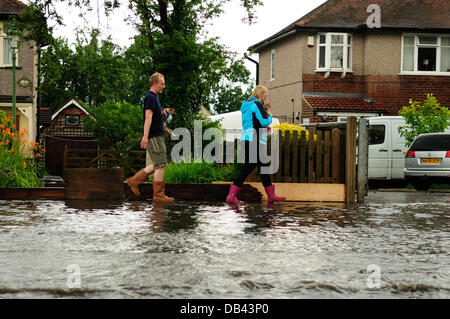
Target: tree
171,40
197,72
94,72
116,126
56,74
426,117
99,71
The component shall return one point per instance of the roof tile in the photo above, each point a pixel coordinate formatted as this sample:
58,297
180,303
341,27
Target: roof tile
319,103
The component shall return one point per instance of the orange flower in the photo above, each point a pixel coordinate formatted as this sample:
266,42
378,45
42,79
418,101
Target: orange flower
6,142
25,164
43,150
38,155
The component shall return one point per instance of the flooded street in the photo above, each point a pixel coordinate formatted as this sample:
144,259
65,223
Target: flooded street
396,245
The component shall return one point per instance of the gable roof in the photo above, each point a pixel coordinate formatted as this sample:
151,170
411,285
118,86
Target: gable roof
352,14
11,7
68,103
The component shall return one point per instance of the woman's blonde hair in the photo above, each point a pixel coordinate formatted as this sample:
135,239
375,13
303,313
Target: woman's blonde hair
258,91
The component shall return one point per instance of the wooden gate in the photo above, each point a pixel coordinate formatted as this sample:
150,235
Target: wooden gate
54,156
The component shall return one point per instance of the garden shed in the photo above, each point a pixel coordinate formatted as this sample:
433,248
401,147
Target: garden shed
64,128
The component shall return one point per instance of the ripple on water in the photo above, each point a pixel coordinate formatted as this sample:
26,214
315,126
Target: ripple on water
213,250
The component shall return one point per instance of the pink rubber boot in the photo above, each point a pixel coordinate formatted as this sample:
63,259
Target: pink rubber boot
232,198
271,196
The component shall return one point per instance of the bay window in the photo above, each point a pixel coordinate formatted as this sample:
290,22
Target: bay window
334,52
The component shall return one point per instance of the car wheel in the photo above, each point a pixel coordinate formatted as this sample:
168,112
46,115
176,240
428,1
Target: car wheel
423,186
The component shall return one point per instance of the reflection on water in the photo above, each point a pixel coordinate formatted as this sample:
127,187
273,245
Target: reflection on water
189,249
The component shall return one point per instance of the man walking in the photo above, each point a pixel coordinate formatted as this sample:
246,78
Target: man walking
154,143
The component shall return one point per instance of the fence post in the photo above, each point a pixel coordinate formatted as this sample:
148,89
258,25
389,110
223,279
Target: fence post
65,158
350,160
363,159
287,156
335,155
311,177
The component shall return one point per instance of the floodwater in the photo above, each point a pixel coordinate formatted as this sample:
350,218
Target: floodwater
396,245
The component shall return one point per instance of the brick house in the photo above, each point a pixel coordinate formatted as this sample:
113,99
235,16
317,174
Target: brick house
350,57
26,74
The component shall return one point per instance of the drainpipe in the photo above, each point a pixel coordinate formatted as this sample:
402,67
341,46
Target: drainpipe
257,67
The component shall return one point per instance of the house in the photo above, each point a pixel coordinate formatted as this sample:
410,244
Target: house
63,128
26,74
354,57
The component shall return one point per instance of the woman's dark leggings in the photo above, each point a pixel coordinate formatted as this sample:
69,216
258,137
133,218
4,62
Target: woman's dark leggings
245,171
249,167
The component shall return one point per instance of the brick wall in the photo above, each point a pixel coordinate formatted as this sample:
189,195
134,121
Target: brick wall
307,112
394,91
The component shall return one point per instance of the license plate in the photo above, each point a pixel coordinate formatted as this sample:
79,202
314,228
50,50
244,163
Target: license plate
432,161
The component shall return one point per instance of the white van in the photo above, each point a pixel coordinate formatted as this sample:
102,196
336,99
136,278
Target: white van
386,148
232,123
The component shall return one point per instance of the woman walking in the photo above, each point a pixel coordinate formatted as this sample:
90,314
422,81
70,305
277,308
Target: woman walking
254,117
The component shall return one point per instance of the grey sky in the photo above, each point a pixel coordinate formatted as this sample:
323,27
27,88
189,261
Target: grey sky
273,16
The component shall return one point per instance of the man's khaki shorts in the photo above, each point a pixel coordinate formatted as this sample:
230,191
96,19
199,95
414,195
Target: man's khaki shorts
156,152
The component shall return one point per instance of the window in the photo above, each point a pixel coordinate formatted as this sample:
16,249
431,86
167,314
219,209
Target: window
7,54
334,52
426,53
376,134
431,143
272,64
72,120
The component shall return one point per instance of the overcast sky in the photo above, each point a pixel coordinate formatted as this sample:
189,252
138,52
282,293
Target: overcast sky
273,16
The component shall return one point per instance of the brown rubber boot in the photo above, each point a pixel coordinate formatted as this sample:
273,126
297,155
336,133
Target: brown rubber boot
158,192
136,180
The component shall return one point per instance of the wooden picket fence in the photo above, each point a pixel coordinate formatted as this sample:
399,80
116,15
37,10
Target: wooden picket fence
319,159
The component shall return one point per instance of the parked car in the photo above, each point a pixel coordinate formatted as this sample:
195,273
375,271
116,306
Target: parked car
427,160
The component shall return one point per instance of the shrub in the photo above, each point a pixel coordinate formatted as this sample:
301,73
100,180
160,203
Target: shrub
199,173
17,157
426,117
283,127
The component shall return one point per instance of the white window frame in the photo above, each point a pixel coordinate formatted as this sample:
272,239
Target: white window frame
416,54
272,65
3,35
347,59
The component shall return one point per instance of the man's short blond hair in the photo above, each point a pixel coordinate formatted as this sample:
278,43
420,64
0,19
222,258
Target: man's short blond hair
258,91
154,78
